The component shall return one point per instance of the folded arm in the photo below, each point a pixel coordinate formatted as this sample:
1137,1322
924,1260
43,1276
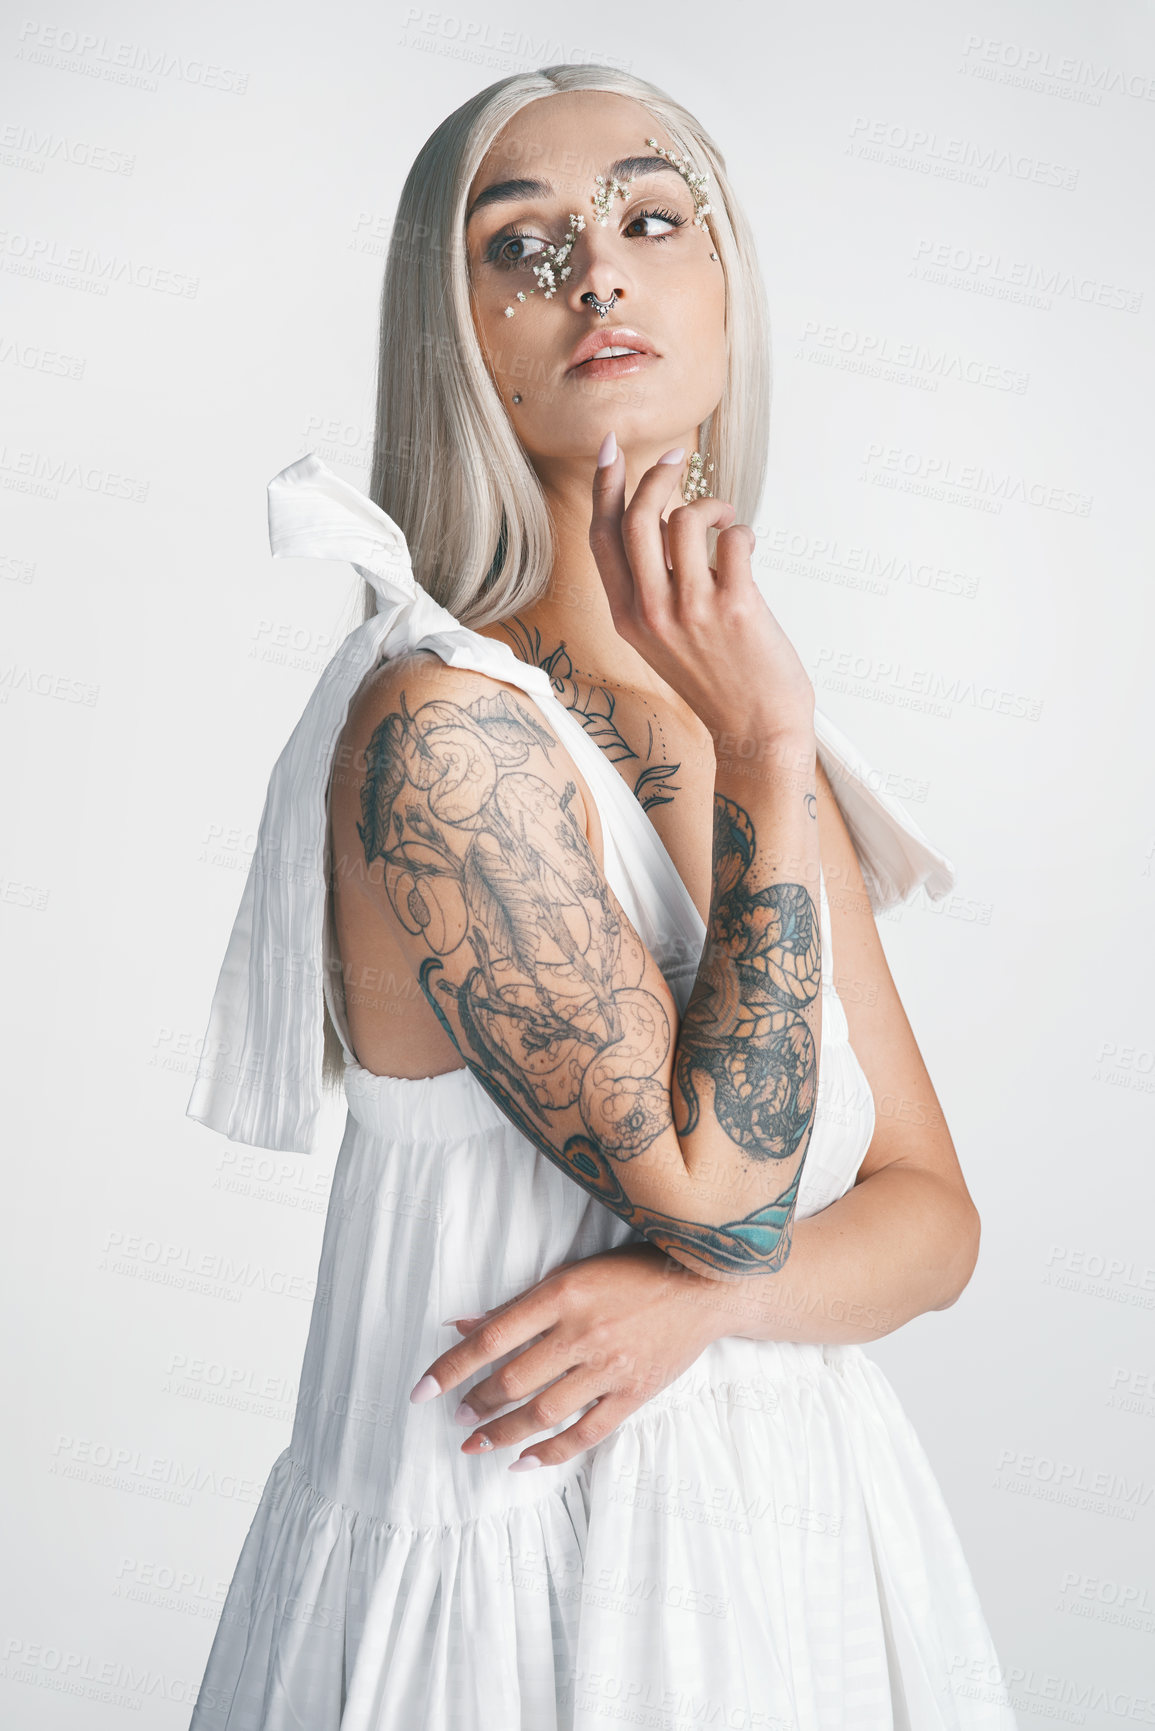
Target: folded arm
615,1329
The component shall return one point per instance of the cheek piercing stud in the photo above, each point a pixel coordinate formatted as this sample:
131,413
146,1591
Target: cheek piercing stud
517,396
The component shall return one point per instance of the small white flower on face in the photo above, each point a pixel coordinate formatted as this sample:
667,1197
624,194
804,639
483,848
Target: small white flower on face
602,200
604,197
699,184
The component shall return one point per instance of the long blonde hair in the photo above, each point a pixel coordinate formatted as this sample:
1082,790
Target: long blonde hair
447,463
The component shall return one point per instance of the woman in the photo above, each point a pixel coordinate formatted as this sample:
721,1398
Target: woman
612,1193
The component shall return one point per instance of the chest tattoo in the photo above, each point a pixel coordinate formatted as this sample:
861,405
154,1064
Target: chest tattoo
595,705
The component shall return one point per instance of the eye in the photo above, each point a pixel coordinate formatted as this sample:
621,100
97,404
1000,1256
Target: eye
513,249
497,252
667,216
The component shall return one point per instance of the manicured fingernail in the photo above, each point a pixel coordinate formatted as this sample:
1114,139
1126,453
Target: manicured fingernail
463,1321
426,1389
465,1414
607,451
674,456
524,1464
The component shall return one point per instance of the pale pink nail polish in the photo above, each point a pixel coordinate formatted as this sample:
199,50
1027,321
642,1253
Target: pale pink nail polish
524,1464
607,451
465,1414
674,456
426,1389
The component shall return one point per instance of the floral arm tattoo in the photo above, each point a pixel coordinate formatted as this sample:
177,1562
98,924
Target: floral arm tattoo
487,864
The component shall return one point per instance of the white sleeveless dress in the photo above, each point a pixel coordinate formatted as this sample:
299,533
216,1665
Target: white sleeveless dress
763,1544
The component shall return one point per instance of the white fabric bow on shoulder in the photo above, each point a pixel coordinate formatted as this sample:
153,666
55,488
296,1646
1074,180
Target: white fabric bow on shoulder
259,1074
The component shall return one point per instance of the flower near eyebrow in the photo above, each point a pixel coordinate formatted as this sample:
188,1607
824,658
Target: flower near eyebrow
604,198
699,184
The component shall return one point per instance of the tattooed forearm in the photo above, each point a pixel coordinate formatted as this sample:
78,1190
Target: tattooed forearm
745,1027
545,987
757,1244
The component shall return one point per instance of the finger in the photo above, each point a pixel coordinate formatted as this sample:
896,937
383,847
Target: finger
625,539
592,1427
522,1376
688,526
495,1309
645,534
521,1321
733,553
609,497
666,543
550,1406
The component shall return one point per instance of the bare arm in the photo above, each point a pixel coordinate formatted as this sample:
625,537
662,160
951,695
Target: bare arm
471,816
904,1239
748,1046
618,1327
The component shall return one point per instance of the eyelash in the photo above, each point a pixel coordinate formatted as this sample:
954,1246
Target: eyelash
502,240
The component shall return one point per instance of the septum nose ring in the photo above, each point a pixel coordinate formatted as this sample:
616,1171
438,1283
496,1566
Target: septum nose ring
603,307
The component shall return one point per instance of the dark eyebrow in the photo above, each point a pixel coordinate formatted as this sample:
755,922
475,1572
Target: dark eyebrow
627,168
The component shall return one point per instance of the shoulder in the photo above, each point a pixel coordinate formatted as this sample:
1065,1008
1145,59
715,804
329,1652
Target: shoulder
461,721
417,676
419,692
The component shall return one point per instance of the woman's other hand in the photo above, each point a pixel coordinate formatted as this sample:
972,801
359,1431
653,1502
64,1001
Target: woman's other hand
706,630
613,1329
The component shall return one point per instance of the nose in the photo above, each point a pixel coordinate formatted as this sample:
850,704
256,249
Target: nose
598,279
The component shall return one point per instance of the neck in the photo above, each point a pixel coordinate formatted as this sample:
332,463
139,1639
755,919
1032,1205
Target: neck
574,610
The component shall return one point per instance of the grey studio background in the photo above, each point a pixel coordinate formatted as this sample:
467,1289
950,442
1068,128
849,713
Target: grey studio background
196,207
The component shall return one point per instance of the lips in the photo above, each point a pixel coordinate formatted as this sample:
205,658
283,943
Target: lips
616,337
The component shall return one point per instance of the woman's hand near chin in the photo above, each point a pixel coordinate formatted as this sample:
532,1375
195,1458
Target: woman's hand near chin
614,1329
